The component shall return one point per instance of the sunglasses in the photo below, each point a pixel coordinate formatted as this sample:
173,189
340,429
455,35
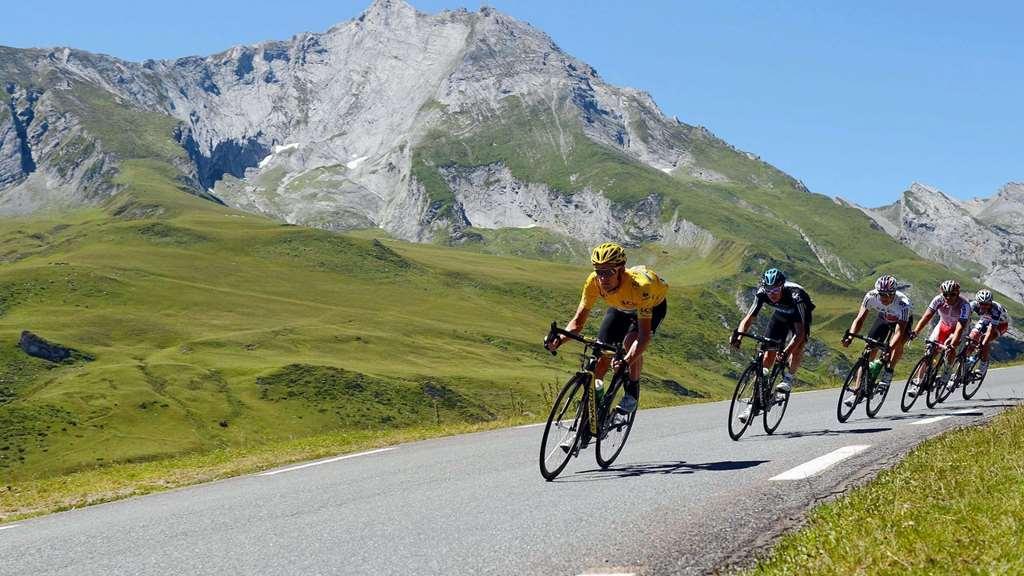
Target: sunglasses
775,290
606,272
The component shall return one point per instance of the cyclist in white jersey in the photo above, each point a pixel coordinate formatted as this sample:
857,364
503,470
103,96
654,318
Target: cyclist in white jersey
954,311
993,322
895,315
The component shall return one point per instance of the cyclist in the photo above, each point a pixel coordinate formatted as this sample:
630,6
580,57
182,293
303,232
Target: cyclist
895,315
636,306
954,311
792,315
993,322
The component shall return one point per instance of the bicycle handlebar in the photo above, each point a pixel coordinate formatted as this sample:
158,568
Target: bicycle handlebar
871,341
555,331
761,339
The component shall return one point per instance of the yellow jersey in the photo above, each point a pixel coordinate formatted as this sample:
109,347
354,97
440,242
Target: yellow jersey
640,291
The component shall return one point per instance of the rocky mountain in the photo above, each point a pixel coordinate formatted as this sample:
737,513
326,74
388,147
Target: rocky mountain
430,126
983,237
322,129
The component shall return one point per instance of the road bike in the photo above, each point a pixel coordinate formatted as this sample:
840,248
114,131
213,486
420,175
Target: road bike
756,390
924,378
582,413
963,373
861,383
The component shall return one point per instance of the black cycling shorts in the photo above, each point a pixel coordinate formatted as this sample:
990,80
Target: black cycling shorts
781,326
881,330
617,324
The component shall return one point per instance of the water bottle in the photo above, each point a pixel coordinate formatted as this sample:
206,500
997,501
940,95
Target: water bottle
875,368
598,391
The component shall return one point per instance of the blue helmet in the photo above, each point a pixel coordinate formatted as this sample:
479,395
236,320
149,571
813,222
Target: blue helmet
772,277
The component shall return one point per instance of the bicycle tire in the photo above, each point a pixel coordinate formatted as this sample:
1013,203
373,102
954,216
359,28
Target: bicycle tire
742,397
875,401
971,382
907,402
931,399
775,410
570,401
843,411
614,427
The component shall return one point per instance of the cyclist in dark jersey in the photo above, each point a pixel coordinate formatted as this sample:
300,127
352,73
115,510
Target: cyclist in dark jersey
793,307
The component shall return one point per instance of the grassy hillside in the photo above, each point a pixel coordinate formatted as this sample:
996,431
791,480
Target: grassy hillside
212,328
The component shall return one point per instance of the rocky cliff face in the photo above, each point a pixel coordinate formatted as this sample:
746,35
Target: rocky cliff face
985,238
321,129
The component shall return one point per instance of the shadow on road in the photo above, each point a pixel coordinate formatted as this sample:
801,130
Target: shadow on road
645,468
830,432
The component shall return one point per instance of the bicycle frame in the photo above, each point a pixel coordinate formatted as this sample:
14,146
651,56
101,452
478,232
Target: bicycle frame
593,351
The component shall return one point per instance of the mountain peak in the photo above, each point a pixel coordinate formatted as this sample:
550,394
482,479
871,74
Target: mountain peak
387,12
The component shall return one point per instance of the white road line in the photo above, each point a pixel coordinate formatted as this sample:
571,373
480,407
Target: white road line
808,469
929,420
328,461
967,412
531,425
8,527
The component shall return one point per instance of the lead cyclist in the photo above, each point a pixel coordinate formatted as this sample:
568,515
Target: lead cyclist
636,306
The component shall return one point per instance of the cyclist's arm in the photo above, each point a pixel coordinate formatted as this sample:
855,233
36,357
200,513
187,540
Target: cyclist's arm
798,338
954,338
859,320
990,334
578,321
925,319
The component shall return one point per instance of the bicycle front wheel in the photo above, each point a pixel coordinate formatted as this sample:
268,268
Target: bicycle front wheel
775,407
742,400
853,388
972,381
615,425
874,401
916,383
562,433
934,385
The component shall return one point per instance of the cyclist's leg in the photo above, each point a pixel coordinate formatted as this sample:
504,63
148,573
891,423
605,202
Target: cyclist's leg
796,354
778,329
614,327
898,344
633,384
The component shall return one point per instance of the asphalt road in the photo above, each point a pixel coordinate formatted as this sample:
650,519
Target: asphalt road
682,499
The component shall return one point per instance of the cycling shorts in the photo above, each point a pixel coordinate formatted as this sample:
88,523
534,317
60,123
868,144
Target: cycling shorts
781,326
882,330
617,324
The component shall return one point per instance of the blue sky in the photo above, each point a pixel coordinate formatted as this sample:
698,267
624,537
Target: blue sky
857,99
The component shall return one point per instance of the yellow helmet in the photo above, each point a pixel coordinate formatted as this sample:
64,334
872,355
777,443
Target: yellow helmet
608,253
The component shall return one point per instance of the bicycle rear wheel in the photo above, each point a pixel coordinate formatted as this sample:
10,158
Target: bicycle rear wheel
775,408
562,432
742,398
972,381
855,378
919,378
614,427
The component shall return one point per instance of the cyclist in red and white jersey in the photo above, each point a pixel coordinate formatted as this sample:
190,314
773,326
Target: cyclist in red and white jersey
895,315
954,312
993,322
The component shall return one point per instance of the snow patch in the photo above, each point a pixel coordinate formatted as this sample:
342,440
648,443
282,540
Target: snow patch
277,150
355,163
